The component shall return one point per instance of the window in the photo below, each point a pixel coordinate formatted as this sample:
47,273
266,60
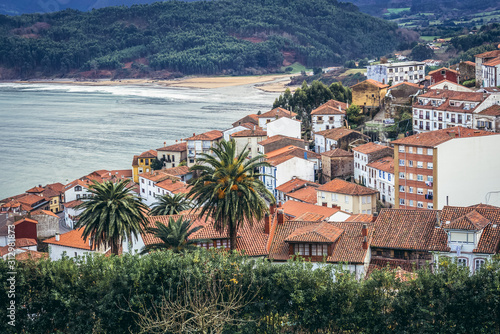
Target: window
420,164
77,196
402,189
366,200
347,199
78,188
419,150
479,263
319,249
410,163
142,180
430,206
430,165
430,178
410,176
401,148
334,197
462,262
150,192
420,177
401,201
389,177
411,203
462,238
420,191
320,118
410,149
401,175
420,205
223,243
410,190
401,162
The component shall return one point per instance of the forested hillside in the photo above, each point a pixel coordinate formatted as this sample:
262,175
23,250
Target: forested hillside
203,37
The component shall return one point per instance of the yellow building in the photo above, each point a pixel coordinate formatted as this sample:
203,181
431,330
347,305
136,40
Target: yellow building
368,94
142,163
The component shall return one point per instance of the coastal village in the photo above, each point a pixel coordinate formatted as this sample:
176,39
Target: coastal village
341,198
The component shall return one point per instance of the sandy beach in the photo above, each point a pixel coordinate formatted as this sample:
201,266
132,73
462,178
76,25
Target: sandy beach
268,83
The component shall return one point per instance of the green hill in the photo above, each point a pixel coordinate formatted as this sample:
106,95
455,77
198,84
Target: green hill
202,37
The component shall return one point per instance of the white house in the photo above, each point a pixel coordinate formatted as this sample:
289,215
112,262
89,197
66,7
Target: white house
274,114
491,73
381,178
411,71
245,126
172,155
329,115
71,213
249,139
283,168
363,155
78,189
72,245
158,183
201,144
284,126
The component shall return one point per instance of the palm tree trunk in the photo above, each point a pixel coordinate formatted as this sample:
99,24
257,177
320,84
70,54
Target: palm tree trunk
115,247
232,234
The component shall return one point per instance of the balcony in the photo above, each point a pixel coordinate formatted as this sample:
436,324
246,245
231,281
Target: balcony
453,120
440,118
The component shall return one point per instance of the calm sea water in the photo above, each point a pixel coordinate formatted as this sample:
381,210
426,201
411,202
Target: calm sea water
57,133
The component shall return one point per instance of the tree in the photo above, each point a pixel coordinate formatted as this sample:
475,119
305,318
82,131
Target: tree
111,213
173,236
170,205
229,189
156,164
354,115
421,52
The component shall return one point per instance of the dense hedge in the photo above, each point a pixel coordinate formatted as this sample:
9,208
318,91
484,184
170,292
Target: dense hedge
109,295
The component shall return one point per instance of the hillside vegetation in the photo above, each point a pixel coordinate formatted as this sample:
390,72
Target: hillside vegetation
203,37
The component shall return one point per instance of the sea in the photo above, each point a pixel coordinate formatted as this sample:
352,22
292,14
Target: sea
59,132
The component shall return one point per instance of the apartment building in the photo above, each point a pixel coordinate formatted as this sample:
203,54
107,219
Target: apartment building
411,71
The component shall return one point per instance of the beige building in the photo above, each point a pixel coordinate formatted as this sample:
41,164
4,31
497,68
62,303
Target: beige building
201,143
250,139
172,155
350,197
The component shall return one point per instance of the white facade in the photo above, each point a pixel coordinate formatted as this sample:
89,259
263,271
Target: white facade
285,171
467,170
149,190
339,216
56,252
325,122
76,192
411,71
69,216
227,133
449,85
133,247
360,170
251,144
491,75
284,126
383,182
323,144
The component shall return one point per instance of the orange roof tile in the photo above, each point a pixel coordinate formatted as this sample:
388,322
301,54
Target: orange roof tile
452,95
305,194
490,240
322,232
44,212
371,147
473,220
293,150
488,54
157,175
434,138
250,133
296,209
31,255
336,134
406,83
174,186
310,217
372,82
384,164
177,171
278,112
25,242
340,186
361,217
72,239
278,160
294,184
337,153
443,68
491,111
252,118
446,81
72,204
210,135
30,199
35,190
493,62
277,138
332,107
177,147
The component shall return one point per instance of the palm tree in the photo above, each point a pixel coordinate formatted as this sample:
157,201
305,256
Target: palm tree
228,189
170,205
173,236
111,213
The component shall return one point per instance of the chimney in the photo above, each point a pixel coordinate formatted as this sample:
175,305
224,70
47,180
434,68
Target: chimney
57,237
365,243
272,207
165,144
194,134
364,230
340,109
438,219
281,217
266,224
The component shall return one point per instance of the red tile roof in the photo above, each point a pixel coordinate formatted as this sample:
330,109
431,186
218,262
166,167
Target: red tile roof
372,82
448,82
322,232
305,194
148,154
337,153
370,147
31,255
280,159
441,69
337,133
174,187
310,217
277,138
35,190
294,184
452,95
251,239
296,209
407,229
278,112
434,138
406,84
490,240
252,118
25,220
250,133
293,150
384,164
491,111
177,171
44,212
210,136
340,186
471,221
488,54
25,242
332,107
72,239
157,176
72,204
30,199
177,147
493,62
361,217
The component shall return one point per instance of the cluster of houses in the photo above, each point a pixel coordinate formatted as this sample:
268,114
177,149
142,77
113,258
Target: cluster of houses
340,198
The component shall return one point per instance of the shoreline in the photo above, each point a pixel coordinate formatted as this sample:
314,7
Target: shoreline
266,83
